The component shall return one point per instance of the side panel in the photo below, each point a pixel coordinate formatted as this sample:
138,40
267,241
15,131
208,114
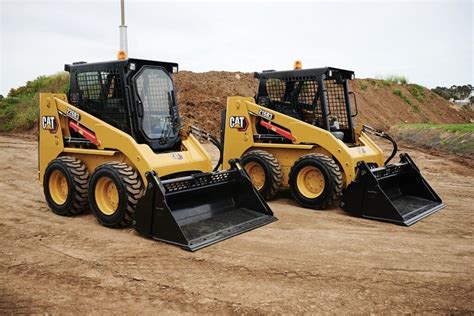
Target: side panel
50,132
239,129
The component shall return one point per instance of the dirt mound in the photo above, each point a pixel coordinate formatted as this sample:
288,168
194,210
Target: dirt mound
382,104
202,96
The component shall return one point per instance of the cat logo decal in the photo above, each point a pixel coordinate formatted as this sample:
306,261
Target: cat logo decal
238,122
49,123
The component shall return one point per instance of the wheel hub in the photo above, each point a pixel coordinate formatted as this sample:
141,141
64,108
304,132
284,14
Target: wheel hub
310,181
58,187
106,196
256,173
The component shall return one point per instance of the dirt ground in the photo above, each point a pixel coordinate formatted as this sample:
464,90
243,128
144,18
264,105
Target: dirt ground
308,261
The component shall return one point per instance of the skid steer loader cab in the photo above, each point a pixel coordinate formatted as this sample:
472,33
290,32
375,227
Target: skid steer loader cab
136,96
318,96
300,134
118,145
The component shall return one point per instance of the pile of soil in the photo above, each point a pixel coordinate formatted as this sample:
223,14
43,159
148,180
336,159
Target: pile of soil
202,97
380,107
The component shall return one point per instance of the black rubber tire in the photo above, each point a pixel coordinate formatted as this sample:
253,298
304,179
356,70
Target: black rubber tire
272,169
332,177
77,178
130,189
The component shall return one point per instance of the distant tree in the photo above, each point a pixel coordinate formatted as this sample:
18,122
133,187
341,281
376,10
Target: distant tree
454,92
1,96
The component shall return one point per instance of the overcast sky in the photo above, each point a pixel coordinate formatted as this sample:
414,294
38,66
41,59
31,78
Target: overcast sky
430,42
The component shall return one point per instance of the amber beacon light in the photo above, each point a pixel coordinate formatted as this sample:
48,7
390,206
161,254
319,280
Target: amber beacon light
297,65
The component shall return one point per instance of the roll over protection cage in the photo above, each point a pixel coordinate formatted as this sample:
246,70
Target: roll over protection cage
329,97
107,90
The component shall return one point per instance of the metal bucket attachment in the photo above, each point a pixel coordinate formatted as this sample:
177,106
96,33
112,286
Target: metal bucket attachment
396,193
199,210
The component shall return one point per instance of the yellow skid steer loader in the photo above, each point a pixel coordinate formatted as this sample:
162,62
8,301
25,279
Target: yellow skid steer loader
299,134
115,145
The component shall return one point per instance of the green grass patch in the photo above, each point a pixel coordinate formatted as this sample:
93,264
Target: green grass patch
398,92
402,96
453,128
418,92
388,80
363,85
373,82
445,141
386,83
19,110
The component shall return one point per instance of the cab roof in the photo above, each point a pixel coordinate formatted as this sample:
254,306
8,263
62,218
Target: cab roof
306,74
84,66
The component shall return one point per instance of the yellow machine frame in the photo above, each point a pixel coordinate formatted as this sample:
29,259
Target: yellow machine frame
114,144
308,139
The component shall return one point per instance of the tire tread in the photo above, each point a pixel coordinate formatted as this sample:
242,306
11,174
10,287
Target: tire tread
276,172
335,172
80,177
134,187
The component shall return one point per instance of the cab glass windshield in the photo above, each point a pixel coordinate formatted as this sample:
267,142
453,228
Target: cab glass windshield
155,90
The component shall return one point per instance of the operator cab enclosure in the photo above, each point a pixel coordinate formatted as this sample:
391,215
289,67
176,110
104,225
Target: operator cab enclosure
318,96
134,95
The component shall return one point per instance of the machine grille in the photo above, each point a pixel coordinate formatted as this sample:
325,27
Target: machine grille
101,94
196,181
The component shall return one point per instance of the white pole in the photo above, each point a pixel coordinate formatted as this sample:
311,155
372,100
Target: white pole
123,29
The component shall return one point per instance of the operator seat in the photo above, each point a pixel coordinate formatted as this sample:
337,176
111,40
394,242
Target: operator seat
338,134
334,128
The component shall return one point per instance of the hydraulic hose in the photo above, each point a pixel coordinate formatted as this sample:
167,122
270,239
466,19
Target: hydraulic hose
216,143
394,150
382,134
205,135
